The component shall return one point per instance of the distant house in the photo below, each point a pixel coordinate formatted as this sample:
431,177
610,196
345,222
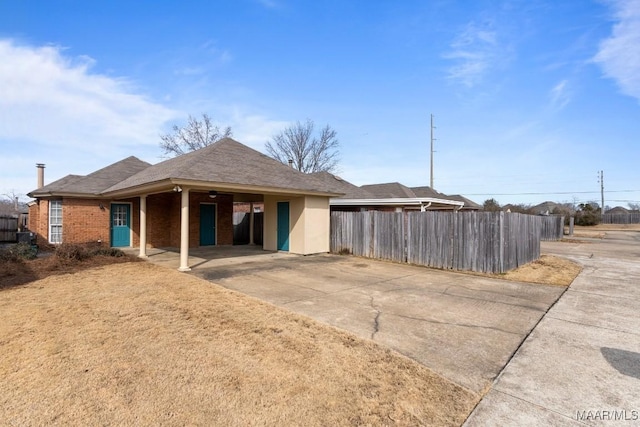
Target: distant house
185,202
391,196
618,210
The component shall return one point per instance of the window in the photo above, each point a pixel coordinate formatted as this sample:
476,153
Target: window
120,215
55,221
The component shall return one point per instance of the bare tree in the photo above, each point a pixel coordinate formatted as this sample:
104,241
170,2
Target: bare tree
11,203
196,134
634,206
308,153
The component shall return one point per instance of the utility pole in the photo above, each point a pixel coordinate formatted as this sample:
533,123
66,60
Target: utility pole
432,139
601,192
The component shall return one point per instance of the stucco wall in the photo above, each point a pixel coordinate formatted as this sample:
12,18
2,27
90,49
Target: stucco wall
308,222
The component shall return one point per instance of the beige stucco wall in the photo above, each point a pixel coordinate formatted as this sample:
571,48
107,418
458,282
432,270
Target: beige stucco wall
308,221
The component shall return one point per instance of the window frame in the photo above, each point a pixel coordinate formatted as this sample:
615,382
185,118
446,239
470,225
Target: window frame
55,213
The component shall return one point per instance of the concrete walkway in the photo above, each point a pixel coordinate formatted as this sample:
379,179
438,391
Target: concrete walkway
581,364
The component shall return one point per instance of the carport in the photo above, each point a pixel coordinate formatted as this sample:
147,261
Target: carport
180,196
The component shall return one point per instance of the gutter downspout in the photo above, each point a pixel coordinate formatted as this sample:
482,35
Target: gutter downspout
424,207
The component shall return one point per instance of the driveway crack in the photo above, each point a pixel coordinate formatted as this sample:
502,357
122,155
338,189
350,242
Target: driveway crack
462,325
376,320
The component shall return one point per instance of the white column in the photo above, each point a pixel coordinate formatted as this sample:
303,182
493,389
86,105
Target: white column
143,227
251,223
184,231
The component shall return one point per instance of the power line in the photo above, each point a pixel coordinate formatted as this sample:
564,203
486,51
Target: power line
549,192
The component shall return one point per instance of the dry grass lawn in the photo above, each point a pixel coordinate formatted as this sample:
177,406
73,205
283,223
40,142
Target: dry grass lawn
137,344
548,270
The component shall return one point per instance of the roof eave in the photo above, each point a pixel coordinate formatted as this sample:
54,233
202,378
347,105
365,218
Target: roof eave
166,184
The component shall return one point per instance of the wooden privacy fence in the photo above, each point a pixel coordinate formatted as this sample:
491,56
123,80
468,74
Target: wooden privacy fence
8,228
552,227
623,218
493,242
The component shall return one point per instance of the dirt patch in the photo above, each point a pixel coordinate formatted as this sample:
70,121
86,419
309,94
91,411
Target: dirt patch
136,343
22,271
548,270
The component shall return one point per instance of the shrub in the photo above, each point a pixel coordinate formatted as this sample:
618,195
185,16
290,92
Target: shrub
18,252
71,252
104,251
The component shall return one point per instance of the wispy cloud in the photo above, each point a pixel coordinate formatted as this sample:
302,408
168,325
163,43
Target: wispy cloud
619,54
49,98
55,107
474,52
560,95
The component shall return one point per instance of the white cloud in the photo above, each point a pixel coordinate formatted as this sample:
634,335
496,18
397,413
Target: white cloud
559,95
54,109
475,51
254,130
619,54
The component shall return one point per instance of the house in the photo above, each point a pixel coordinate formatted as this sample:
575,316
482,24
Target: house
392,196
184,202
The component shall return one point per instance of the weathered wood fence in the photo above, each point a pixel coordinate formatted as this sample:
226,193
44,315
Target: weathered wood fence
552,227
8,228
623,218
492,242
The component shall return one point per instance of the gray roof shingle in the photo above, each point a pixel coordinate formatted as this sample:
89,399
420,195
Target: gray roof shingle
96,182
339,185
226,161
390,190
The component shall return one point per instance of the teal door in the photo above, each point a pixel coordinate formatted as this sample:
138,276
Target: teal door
283,226
120,225
207,225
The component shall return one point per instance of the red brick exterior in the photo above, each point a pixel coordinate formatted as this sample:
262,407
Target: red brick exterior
88,220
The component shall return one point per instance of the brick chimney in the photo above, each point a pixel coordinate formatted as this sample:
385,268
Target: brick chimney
40,167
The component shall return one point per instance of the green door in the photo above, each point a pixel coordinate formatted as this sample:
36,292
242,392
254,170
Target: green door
120,225
283,226
207,224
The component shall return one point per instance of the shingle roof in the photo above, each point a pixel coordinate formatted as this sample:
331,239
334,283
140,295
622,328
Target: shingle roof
226,161
339,185
468,204
427,191
98,181
390,190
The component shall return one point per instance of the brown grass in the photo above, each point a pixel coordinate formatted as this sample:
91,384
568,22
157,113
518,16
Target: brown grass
137,344
548,270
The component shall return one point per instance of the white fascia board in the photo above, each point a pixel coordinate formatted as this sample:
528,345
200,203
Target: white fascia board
394,202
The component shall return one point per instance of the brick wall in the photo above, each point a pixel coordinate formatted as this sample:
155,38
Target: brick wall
85,221
39,221
163,219
224,211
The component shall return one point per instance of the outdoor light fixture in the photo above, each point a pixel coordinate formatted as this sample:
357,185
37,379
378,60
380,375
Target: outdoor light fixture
213,194
177,189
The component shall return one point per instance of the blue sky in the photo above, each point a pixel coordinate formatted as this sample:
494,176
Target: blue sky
531,98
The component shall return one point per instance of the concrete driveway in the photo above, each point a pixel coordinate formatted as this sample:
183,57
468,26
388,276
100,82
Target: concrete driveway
463,327
581,364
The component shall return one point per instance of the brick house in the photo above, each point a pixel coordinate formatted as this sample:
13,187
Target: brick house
184,202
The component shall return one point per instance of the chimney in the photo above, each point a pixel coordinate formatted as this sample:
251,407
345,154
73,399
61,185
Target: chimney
40,167
290,163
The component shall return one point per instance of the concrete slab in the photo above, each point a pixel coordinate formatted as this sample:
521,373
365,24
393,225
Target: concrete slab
463,327
581,364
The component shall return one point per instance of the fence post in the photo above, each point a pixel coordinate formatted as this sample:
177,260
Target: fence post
571,222
501,250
